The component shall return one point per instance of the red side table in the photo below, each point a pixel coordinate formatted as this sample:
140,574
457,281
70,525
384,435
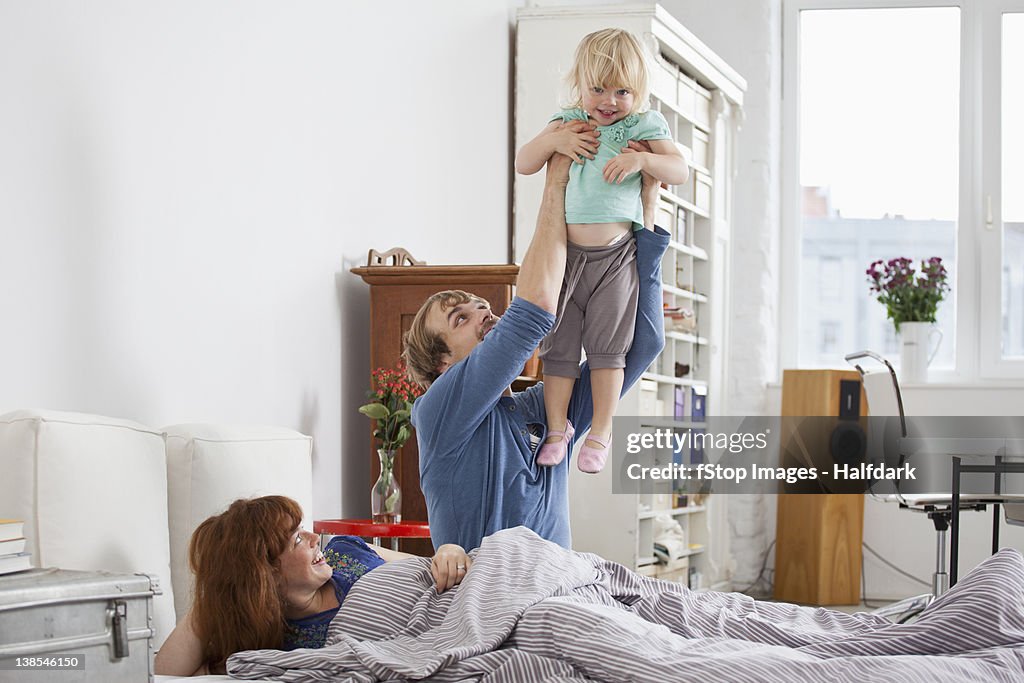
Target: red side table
366,528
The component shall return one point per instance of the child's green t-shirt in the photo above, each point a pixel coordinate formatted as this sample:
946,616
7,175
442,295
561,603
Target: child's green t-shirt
589,198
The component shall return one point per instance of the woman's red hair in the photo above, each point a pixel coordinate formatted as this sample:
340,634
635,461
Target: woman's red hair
236,604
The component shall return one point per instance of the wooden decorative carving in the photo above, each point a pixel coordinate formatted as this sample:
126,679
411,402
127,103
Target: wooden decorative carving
392,257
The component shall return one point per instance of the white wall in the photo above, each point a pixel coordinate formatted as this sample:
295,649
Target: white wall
185,185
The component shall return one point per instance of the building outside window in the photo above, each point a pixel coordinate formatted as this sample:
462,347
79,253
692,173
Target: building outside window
829,340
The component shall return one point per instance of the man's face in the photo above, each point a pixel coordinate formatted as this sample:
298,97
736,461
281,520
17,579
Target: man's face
462,326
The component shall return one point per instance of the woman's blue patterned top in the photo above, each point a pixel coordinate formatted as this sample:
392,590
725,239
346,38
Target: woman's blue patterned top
350,558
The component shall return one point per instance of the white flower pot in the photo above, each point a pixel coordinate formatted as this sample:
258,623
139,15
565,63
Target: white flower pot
915,357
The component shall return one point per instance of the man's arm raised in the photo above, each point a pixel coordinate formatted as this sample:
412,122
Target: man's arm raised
540,277
448,414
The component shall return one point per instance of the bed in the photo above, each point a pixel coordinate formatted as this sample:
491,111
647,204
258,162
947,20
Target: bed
529,610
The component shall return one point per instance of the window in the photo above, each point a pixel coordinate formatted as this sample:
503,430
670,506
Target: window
890,342
1012,154
892,147
830,277
829,339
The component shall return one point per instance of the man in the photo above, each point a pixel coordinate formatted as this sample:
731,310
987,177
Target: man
477,452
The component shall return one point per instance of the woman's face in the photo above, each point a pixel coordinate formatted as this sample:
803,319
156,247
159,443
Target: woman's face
302,563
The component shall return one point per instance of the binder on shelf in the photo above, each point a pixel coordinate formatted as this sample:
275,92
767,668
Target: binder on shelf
698,397
681,234
679,408
697,447
679,452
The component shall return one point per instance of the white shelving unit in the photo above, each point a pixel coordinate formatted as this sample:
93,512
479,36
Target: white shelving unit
701,98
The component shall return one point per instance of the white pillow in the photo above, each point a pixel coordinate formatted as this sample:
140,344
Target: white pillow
93,493
210,466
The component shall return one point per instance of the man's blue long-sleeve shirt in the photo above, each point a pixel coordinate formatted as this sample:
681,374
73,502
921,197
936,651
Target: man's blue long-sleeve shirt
477,467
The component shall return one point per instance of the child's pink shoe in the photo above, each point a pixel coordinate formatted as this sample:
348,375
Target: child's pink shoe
591,460
550,454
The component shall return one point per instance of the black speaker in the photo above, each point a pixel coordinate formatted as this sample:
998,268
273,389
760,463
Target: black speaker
823,427
848,443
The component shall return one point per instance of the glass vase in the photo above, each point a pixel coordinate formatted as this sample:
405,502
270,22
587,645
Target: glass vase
386,496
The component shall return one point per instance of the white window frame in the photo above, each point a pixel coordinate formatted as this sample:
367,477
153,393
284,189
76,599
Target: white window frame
991,224
978,276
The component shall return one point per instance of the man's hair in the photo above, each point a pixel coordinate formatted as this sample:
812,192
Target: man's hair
237,604
610,58
425,349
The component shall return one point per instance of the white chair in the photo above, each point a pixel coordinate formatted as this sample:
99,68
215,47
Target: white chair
882,389
978,440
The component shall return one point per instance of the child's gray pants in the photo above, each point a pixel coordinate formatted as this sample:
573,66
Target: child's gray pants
596,309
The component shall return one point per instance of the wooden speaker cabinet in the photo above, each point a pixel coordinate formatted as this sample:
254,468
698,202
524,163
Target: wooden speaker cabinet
396,294
818,536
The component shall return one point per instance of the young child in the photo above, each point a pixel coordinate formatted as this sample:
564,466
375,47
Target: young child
597,308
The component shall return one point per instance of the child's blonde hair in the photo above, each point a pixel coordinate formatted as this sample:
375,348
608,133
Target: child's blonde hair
610,57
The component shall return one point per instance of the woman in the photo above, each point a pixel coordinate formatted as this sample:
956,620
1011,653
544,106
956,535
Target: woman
261,582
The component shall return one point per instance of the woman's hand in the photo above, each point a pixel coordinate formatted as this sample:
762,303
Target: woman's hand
449,566
576,140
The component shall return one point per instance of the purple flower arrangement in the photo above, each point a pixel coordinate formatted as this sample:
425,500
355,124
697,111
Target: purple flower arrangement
908,298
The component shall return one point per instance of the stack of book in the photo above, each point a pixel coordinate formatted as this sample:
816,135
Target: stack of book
13,557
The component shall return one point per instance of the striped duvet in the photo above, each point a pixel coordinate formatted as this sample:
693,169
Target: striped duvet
529,610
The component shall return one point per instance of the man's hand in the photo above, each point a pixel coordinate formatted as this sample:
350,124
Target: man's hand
577,140
558,170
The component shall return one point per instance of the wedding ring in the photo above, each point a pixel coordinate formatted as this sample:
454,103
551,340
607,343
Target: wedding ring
461,567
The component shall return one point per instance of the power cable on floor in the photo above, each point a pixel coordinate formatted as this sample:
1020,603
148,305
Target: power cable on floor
764,566
894,567
864,586
864,579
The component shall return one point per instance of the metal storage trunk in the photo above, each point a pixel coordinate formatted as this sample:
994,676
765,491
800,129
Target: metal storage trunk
71,626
